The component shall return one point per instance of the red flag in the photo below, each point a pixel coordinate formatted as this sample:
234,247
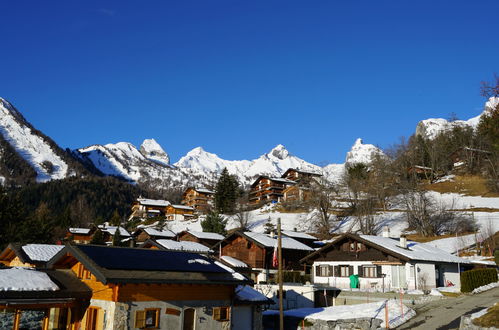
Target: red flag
275,260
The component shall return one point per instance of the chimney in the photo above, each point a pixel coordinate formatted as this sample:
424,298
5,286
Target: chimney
386,231
403,241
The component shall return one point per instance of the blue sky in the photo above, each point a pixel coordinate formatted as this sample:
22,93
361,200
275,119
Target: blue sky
239,77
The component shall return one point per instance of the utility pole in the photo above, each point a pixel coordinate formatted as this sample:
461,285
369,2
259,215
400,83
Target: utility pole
279,256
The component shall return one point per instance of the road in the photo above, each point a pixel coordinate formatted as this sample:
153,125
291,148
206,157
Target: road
446,313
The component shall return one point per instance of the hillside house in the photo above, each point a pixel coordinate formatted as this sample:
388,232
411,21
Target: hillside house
201,237
143,234
41,299
256,250
299,175
108,233
171,245
198,198
80,235
148,208
466,158
29,255
179,212
146,288
267,189
383,263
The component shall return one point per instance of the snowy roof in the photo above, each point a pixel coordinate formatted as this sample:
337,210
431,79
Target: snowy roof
161,233
302,172
184,207
234,262
25,279
204,191
287,242
247,293
112,229
452,244
283,180
81,231
153,202
183,246
415,250
297,234
41,252
206,235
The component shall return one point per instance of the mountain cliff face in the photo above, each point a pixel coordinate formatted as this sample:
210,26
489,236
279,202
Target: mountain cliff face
26,152
29,155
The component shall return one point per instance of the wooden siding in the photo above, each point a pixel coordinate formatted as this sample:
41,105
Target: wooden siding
246,251
99,290
341,251
165,292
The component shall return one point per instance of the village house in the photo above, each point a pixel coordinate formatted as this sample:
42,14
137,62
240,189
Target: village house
299,175
256,250
201,237
179,212
384,263
466,158
80,235
198,198
108,233
267,189
171,245
29,255
147,208
41,299
136,288
143,234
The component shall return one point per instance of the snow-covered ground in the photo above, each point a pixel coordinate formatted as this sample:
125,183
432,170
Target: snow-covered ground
371,310
487,287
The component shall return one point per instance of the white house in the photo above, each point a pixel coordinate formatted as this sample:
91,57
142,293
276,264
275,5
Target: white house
384,263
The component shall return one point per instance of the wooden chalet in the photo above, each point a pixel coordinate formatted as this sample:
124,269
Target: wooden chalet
80,235
256,250
179,212
148,208
422,172
29,255
198,198
468,158
205,238
108,232
41,299
299,175
143,234
146,288
384,263
267,189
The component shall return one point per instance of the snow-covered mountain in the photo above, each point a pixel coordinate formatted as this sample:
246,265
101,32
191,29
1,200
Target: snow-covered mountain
431,127
20,140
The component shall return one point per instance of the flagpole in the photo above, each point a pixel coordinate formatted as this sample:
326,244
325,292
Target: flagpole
279,250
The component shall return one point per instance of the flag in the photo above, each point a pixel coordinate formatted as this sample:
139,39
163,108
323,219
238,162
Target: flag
275,260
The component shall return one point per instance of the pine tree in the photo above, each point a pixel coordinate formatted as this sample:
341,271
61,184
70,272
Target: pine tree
98,238
214,223
226,193
115,219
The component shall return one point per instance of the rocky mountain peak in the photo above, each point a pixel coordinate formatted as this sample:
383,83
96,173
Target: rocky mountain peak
362,153
154,152
279,152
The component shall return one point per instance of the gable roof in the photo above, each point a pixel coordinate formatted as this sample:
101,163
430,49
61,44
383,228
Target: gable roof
415,251
298,234
80,231
186,246
204,235
276,179
266,241
301,172
111,230
135,265
37,254
158,233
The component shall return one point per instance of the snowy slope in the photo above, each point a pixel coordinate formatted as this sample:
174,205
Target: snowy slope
362,153
30,145
153,151
431,127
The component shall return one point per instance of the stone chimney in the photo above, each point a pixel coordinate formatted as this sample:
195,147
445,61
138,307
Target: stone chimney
386,231
403,241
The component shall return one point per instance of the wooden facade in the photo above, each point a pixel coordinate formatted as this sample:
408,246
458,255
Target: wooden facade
298,175
179,212
268,190
188,236
148,208
199,199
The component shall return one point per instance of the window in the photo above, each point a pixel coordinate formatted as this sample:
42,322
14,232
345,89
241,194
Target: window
369,271
323,270
221,313
345,270
147,319
91,323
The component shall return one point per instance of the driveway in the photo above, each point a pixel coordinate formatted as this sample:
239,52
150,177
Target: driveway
446,313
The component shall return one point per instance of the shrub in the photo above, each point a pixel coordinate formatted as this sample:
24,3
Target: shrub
472,279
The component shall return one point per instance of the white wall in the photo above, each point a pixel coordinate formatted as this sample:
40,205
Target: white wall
451,273
427,271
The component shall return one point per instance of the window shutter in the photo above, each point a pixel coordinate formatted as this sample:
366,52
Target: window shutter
350,270
140,319
361,271
378,271
216,313
330,271
317,270
337,271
